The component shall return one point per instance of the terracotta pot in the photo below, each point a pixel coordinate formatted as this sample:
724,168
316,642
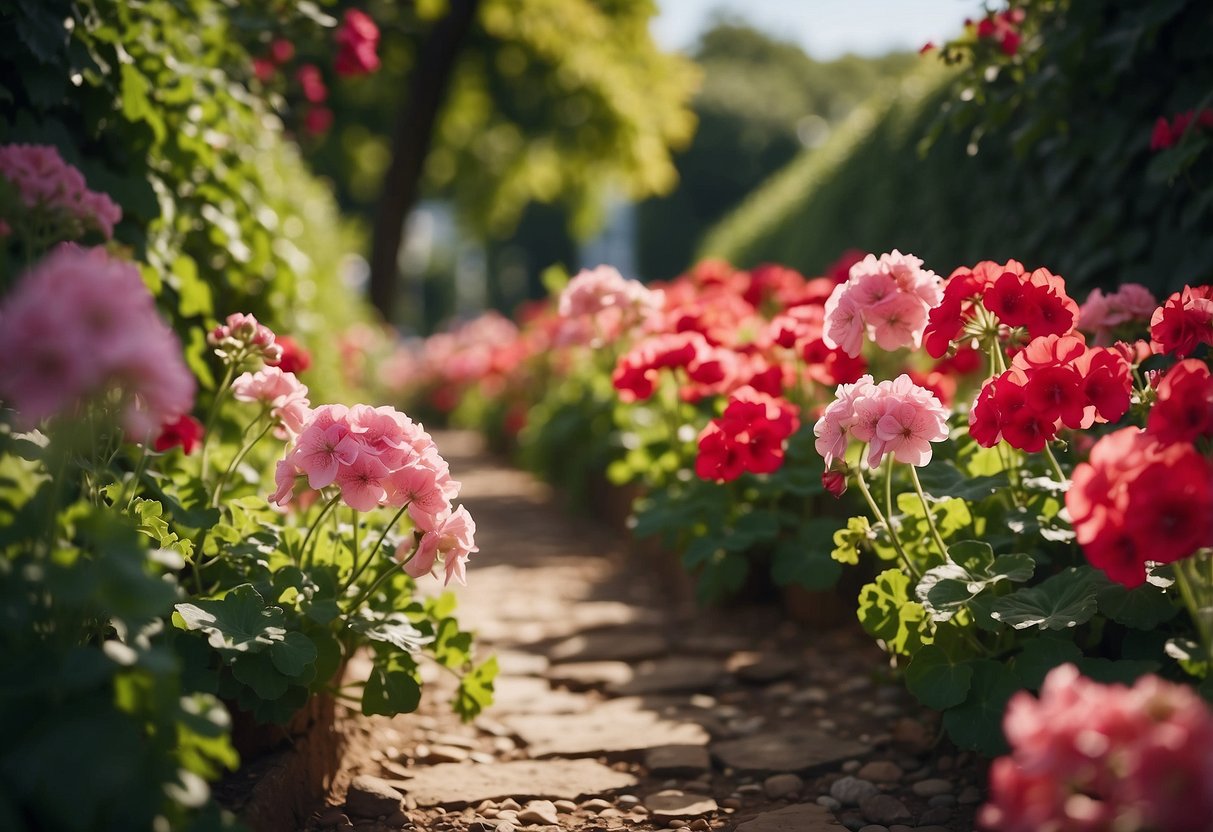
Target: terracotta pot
285,770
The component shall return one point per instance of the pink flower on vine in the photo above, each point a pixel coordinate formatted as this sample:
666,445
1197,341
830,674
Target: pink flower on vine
453,539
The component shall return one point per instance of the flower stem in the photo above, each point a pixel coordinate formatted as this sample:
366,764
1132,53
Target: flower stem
213,414
383,576
926,507
1061,477
306,552
236,460
375,550
867,495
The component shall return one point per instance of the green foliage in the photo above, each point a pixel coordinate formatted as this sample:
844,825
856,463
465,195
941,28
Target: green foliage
89,670
150,101
1066,123
552,101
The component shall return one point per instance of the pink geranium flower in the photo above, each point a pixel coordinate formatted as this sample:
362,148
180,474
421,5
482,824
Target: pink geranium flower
895,417
81,324
453,539
886,299
282,392
321,451
362,482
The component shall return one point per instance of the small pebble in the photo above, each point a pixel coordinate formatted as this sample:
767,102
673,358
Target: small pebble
565,806
730,803
935,815
509,803
851,766
850,790
626,800
782,785
596,805
969,795
932,787
945,800
853,821
700,825
829,802
881,771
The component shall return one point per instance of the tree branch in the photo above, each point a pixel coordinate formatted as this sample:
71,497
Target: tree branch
424,94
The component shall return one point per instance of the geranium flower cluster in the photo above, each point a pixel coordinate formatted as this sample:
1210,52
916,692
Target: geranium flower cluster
1148,495
723,329
599,305
1089,757
1003,28
886,298
52,190
1183,322
749,436
378,456
1036,301
1168,133
894,417
241,337
357,44
81,327
1054,381
280,392
1102,315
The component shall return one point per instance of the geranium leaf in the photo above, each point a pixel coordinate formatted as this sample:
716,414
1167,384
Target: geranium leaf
1065,600
937,680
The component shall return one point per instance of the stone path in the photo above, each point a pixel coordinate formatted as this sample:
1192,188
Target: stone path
621,708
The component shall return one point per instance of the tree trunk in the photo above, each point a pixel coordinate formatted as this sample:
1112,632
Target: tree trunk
424,93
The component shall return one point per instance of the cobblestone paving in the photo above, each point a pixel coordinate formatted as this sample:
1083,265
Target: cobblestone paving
620,707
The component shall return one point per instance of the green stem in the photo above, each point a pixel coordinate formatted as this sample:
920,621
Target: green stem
867,495
1061,477
140,466
307,553
1188,592
379,543
888,486
236,460
383,576
213,414
943,549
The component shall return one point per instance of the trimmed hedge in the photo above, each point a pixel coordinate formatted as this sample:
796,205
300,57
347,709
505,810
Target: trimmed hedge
1055,167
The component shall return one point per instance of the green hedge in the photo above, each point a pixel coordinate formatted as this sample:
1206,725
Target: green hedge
1063,175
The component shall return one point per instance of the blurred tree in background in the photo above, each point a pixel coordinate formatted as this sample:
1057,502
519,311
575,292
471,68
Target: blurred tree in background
497,104
762,101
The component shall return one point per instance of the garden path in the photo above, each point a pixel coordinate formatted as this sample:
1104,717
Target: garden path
621,707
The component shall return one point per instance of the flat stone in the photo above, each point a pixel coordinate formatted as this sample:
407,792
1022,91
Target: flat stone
932,787
370,797
587,675
446,754
677,673
625,644
802,817
674,803
519,663
769,669
873,827
880,771
781,785
885,809
851,791
457,785
625,727
528,695
792,750
678,760
539,811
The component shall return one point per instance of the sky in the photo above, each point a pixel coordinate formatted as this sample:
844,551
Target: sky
825,29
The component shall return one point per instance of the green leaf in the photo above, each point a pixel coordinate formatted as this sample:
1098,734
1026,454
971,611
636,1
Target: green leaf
972,569
976,724
394,628
848,541
239,622
475,690
1110,671
944,479
389,692
1065,600
294,655
886,612
1039,656
937,680
721,577
1143,607
260,674
194,294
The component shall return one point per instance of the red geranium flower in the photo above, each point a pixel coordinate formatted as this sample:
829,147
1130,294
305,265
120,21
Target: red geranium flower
295,359
358,44
1184,409
184,433
1183,322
